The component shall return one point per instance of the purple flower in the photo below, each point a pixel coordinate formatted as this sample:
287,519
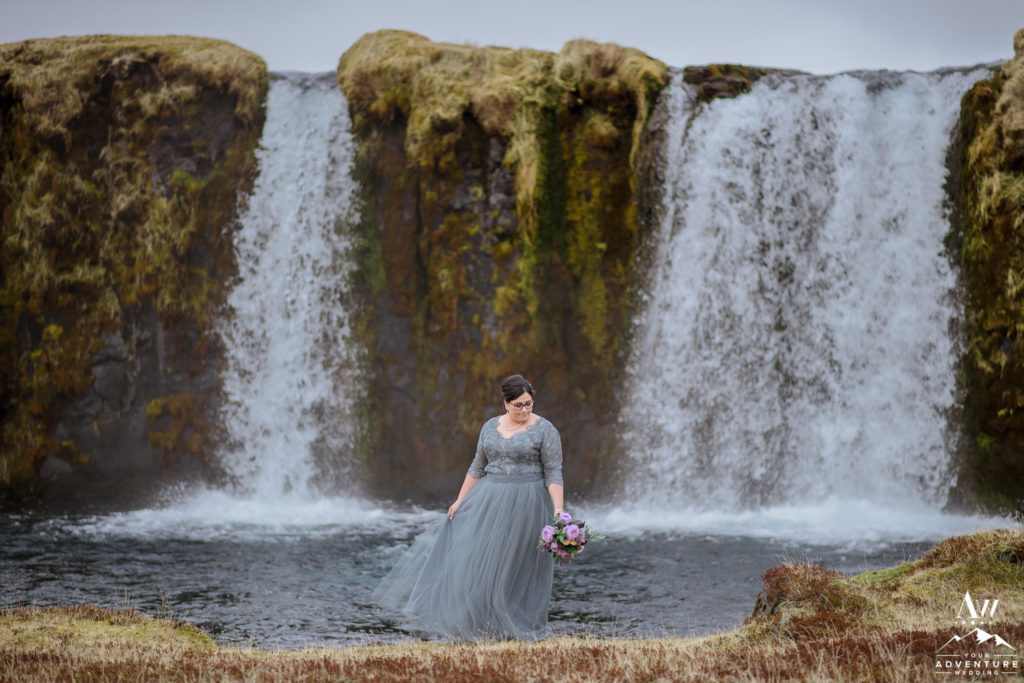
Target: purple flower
572,531
547,533
554,546
565,518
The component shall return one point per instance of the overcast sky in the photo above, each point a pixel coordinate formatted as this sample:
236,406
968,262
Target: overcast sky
820,36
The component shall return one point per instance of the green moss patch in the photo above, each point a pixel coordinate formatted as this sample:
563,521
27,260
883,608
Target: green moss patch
89,626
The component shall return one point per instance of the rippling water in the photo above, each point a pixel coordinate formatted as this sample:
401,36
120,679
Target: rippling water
301,573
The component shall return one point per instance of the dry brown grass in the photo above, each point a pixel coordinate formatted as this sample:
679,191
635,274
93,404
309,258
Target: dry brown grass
810,624
52,73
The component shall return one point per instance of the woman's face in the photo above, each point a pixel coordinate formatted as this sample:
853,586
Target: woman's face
519,409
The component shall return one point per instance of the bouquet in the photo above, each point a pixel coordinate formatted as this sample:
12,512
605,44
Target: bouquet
564,537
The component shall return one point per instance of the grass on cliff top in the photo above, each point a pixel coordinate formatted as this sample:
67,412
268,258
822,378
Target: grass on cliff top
388,73
434,84
42,69
810,623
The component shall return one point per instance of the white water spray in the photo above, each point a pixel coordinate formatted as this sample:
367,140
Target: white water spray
795,345
291,376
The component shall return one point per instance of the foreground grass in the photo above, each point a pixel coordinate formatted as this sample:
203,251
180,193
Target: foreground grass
809,623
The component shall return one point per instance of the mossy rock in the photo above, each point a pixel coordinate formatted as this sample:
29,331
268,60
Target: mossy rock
989,190
722,80
123,161
500,235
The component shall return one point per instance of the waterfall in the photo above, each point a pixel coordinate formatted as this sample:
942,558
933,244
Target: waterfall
291,377
794,347
797,337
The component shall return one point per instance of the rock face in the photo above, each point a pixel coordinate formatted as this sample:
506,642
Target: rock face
724,80
501,232
990,214
123,160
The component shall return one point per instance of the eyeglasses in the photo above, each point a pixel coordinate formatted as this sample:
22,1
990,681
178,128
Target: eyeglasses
522,406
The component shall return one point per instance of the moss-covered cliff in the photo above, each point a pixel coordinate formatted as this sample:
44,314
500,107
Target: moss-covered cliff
500,235
123,159
991,219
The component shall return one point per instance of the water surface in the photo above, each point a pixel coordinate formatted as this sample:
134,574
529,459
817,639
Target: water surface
306,581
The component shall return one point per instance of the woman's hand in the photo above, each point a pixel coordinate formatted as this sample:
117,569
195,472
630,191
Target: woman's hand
467,484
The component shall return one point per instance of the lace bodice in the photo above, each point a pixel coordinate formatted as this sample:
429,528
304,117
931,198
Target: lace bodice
537,448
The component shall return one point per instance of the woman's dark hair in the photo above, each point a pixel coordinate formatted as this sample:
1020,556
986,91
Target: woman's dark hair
515,386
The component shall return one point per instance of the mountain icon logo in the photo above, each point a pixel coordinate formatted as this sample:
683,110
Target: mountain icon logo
977,637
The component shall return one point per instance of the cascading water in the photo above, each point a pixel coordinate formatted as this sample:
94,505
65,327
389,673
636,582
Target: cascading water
795,344
290,374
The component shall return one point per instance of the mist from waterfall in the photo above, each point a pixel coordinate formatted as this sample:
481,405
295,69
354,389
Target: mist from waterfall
797,343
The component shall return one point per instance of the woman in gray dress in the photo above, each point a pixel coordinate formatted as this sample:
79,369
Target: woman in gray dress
477,573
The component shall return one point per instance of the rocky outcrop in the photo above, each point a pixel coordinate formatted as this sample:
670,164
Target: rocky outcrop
123,161
500,232
722,80
990,217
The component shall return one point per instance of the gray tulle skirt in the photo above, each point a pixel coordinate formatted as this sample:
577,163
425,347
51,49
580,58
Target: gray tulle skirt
481,574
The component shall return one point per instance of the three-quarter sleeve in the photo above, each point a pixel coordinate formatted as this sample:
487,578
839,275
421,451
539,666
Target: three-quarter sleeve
476,468
551,455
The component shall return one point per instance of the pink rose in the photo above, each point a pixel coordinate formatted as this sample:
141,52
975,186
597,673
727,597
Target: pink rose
572,531
565,518
547,533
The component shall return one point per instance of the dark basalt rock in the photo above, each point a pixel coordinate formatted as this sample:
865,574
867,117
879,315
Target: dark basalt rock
726,80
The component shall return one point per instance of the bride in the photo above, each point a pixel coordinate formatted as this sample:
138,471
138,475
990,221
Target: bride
478,573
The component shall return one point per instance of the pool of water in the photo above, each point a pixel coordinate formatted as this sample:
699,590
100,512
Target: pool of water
305,579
